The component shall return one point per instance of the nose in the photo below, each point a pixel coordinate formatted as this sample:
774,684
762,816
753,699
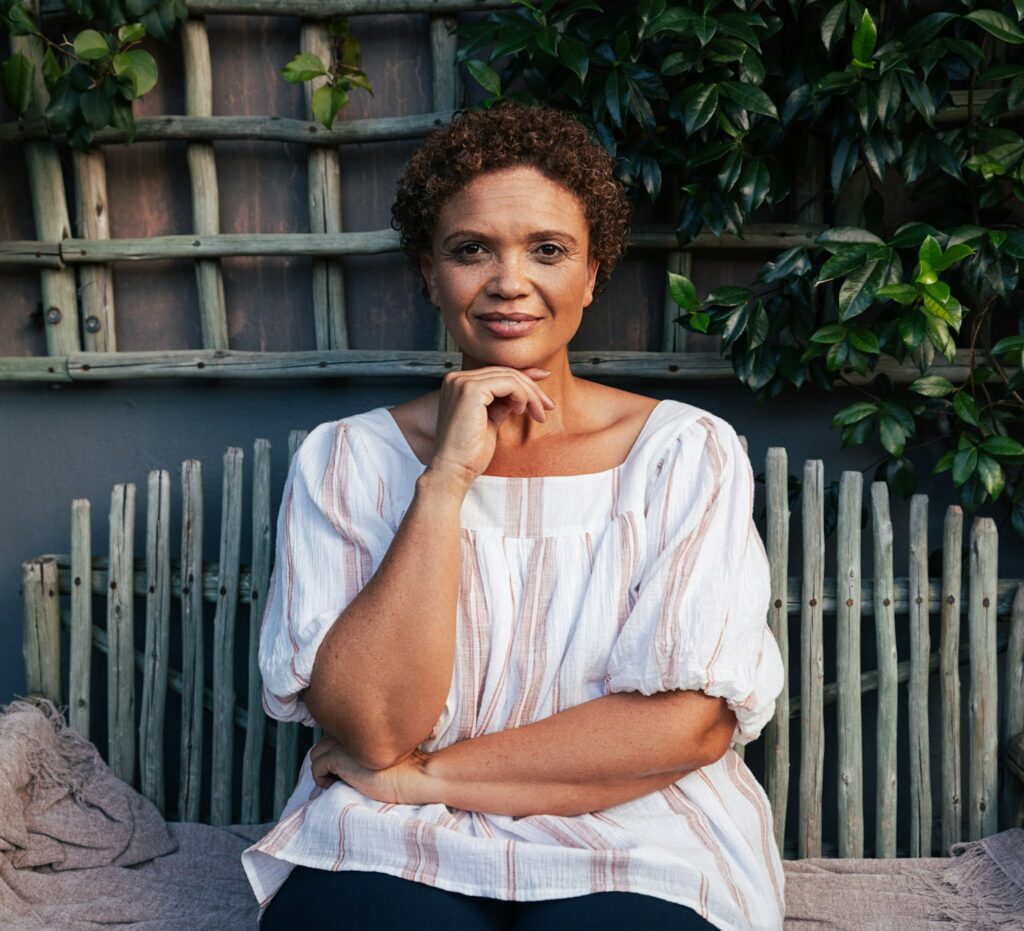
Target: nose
509,279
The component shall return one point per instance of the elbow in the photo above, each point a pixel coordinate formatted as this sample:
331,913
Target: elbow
718,736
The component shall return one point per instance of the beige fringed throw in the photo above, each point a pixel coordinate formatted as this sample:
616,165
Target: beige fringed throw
81,850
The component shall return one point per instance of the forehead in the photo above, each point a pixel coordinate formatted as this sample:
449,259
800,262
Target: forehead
522,193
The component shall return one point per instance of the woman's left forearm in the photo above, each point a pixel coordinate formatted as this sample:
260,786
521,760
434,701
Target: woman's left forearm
590,757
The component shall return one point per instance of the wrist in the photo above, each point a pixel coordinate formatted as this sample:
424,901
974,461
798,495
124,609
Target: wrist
445,481
417,785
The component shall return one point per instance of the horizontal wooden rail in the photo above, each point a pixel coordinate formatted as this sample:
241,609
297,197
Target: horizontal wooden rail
374,242
258,128
355,363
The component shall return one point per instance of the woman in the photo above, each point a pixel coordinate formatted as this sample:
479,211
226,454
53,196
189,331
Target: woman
528,609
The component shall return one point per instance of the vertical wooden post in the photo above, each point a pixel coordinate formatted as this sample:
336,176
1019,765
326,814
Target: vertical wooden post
983,813
673,337
888,682
97,281
80,673
812,661
949,677
50,209
286,747
222,758
324,166
158,610
920,646
203,173
121,634
776,760
192,667
444,44
262,540
41,641
848,608
1011,800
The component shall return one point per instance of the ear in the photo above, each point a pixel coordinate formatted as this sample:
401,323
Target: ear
588,295
427,271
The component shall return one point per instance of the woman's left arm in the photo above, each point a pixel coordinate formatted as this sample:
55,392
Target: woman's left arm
587,758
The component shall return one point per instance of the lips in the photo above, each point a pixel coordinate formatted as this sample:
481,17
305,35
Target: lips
499,316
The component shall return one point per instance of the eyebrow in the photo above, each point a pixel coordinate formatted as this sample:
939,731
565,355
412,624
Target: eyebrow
536,235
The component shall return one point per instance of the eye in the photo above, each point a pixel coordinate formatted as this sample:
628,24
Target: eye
469,249
550,250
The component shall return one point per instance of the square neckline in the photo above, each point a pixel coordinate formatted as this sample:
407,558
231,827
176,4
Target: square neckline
501,479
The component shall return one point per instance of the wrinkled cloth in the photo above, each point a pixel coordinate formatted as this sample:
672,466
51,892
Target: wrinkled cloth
979,888
81,850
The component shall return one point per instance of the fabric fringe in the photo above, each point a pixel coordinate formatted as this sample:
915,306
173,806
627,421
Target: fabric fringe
56,759
972,891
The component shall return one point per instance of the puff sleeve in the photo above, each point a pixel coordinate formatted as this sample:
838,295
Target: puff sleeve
699,620
331,537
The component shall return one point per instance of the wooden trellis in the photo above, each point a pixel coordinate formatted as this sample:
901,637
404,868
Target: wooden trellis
81,341
58,590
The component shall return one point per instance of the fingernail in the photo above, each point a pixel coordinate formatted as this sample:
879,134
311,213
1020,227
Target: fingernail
544,371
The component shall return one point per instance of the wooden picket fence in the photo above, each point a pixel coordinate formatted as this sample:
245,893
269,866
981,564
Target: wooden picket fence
60,590
81,331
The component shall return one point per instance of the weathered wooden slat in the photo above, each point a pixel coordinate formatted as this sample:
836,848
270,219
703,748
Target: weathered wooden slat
812,660
224,639
262,544
41,639
883,602
324,194
740,749
192,666
30,253
364,362
949,677
97,283
776,763
49,208
120,630
920,645
286,749
848,588
674,337
261,128
80,667
983,776
445,83
40,368
203,174
158,635
1011,800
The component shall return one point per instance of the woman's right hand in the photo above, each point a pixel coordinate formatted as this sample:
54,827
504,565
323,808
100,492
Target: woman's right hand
473,405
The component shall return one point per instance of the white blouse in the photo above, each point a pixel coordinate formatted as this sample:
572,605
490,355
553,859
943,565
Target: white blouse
646,577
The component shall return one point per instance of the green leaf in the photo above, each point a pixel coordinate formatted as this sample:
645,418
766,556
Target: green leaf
96,107
991,475
749,97
891,435
863,339
573,54
322,105
18,75
901,293
932,386
1002,446
829,333
485,76
131,32
303,67
700,101
964,464
920,96
840,236
845,261
1008,344
966,408
139,68
22,23
683,292
858,291
865,38
755,180
951,256
925,29
833,24
854,413
51,69
124,120
91,45
728,296
685,22
998,25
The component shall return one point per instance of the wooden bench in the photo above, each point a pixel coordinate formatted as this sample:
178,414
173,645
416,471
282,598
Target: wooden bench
153,742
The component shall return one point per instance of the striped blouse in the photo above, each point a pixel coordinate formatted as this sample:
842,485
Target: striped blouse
646,577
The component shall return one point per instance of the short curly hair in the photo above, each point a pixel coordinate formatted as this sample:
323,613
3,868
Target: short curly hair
511,135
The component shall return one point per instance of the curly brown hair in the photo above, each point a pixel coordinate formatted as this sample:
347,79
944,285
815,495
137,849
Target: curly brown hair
510,135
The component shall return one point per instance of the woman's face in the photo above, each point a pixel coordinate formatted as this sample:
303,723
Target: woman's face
510,269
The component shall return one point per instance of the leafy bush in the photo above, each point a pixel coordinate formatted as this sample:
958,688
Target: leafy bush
709,109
